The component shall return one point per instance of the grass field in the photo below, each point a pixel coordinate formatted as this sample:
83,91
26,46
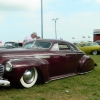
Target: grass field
81,87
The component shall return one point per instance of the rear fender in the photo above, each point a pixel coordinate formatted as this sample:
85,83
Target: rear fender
86,64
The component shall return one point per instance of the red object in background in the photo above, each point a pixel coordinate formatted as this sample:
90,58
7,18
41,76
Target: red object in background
96,34
96,37
0,41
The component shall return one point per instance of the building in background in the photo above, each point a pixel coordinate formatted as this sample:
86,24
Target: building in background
96,34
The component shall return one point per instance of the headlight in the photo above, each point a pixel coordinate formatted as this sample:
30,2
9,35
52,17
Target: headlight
8,67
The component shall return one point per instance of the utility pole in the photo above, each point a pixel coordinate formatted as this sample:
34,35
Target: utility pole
41,19
55,26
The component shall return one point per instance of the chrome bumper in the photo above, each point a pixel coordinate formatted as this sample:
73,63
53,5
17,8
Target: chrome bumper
4,83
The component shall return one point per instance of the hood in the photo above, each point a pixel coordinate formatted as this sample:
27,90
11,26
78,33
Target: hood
20,52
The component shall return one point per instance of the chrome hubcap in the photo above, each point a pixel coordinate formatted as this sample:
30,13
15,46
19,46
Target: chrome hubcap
28,76
94,52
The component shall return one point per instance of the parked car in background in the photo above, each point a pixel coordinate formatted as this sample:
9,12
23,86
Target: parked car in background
98,41
89,47
13,44
42,60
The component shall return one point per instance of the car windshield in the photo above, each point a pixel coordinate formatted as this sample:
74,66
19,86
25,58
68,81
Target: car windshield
87,44
80,44
92,44
37,45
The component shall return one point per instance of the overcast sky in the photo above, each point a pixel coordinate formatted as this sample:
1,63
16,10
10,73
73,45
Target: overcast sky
77,18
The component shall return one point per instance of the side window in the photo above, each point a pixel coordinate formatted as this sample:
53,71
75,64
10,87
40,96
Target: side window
55,47
20,44
16,44
88,44
73,48
63,46
28,45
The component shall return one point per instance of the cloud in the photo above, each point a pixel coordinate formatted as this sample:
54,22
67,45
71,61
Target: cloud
98,1
73,25
93,1
24,5
1,18
12,5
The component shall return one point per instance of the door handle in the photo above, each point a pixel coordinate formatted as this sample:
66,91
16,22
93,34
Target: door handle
67,57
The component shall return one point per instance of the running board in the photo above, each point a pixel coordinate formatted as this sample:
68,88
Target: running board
60,77
85,72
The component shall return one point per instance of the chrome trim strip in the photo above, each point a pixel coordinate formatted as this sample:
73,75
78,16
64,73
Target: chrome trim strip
48,54
61,77
85,72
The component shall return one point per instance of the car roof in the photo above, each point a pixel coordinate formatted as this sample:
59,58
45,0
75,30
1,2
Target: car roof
49,40
14,41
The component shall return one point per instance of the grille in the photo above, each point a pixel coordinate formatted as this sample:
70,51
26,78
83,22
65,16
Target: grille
1,71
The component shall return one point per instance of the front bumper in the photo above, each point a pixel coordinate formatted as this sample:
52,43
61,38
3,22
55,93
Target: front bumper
4,83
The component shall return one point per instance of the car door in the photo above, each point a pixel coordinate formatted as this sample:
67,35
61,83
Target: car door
63,60
76,55
71,58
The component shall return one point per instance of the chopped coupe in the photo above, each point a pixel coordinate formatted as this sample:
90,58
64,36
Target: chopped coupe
42,60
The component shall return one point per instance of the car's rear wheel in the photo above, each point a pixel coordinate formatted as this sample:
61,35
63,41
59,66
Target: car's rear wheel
94,52
29,78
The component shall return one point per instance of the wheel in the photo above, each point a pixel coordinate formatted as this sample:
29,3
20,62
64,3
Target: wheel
29,78
94,52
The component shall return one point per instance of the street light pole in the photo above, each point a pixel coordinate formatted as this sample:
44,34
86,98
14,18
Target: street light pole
41,19
55,26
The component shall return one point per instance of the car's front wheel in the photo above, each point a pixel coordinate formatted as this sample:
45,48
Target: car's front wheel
29,78
94,52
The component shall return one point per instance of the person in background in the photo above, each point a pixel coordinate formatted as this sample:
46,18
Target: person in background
38,37
29,38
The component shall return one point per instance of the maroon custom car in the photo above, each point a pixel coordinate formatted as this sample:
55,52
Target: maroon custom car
42,60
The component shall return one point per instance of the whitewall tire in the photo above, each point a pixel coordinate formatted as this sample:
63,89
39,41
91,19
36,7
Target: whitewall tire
29,78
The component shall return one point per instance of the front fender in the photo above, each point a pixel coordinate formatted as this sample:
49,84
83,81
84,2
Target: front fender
21,65
86,64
